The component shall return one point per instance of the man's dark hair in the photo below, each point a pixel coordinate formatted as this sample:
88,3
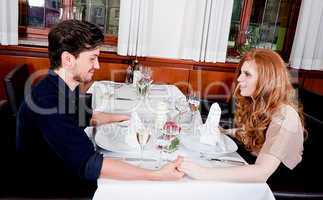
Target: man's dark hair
74,37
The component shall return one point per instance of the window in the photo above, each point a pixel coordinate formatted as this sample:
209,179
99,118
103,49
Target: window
254,23
37,16
261,24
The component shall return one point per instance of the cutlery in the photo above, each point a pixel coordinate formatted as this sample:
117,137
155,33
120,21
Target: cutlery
133,159
138,159
125,99
158,89
228,161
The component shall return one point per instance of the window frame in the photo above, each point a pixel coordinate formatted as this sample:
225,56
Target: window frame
245,16
27,32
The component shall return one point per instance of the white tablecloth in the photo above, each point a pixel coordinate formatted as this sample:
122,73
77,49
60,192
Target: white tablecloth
184,189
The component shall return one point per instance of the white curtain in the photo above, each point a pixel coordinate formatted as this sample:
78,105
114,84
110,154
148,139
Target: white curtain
181,29
8,22
307,50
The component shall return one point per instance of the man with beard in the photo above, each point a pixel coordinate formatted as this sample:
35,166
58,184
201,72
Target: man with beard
55,153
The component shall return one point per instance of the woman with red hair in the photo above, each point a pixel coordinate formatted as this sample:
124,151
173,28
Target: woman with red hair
268,121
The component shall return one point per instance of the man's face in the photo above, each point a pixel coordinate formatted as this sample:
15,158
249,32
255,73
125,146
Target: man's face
85,65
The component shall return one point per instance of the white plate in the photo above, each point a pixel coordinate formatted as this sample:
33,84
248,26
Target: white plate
193,143
112,138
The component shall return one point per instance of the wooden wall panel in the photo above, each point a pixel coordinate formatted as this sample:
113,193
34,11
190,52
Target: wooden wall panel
111,71
166,73
214,80
38,67
314,85
212,84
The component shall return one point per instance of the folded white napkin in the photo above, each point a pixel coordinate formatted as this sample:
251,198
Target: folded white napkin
134,124
209,131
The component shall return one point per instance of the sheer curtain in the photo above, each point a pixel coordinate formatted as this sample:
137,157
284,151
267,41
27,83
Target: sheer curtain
307,50
8,22
182,29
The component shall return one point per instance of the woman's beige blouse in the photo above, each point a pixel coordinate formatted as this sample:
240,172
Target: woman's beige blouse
284,137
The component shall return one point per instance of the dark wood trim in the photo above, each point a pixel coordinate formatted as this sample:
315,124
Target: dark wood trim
24,51
227,67
29,32
244,21
291,29
42,52
111,40
313,74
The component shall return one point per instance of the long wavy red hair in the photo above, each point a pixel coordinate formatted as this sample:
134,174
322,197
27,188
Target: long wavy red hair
273,89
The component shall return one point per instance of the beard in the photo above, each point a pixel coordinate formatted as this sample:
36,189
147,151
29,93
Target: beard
78,78
81,79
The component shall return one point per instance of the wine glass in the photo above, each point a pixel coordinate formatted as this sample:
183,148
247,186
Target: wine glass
146,73
143,137
142,88
182,107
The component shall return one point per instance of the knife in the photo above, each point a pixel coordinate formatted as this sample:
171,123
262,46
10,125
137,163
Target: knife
228,161
138,159
131,158
121,98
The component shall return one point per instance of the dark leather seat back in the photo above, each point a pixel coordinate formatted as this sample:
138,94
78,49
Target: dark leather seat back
15,84
302,182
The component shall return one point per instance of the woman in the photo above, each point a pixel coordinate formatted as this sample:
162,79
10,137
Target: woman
267,119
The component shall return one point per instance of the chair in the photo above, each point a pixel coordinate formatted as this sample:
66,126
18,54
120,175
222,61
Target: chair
14,83
302,182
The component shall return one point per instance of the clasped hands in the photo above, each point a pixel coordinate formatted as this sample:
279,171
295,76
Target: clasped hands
171,171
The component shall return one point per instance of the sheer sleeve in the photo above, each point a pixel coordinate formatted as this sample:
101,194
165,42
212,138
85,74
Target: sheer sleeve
284,137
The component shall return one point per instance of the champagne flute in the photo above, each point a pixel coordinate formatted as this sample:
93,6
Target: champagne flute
194,103
143,137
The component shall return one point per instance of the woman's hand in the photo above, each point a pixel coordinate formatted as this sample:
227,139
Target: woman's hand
170,171
193,170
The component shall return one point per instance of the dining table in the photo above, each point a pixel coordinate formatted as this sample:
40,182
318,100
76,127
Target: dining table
113,141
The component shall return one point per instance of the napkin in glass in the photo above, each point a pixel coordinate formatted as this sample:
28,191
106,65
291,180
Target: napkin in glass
135,124
209,132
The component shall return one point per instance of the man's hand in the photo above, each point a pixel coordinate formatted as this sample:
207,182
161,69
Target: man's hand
193,170
170,171
99,118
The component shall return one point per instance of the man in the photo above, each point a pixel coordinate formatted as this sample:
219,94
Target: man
50,140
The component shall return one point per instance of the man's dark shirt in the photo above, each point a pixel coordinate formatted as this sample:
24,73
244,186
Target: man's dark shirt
54,151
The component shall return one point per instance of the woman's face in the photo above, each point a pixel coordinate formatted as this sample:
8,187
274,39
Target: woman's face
248,78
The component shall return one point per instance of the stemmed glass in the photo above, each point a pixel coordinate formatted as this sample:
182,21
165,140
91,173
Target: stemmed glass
146,72
142,88
162,143
143,137
182,107
194,103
